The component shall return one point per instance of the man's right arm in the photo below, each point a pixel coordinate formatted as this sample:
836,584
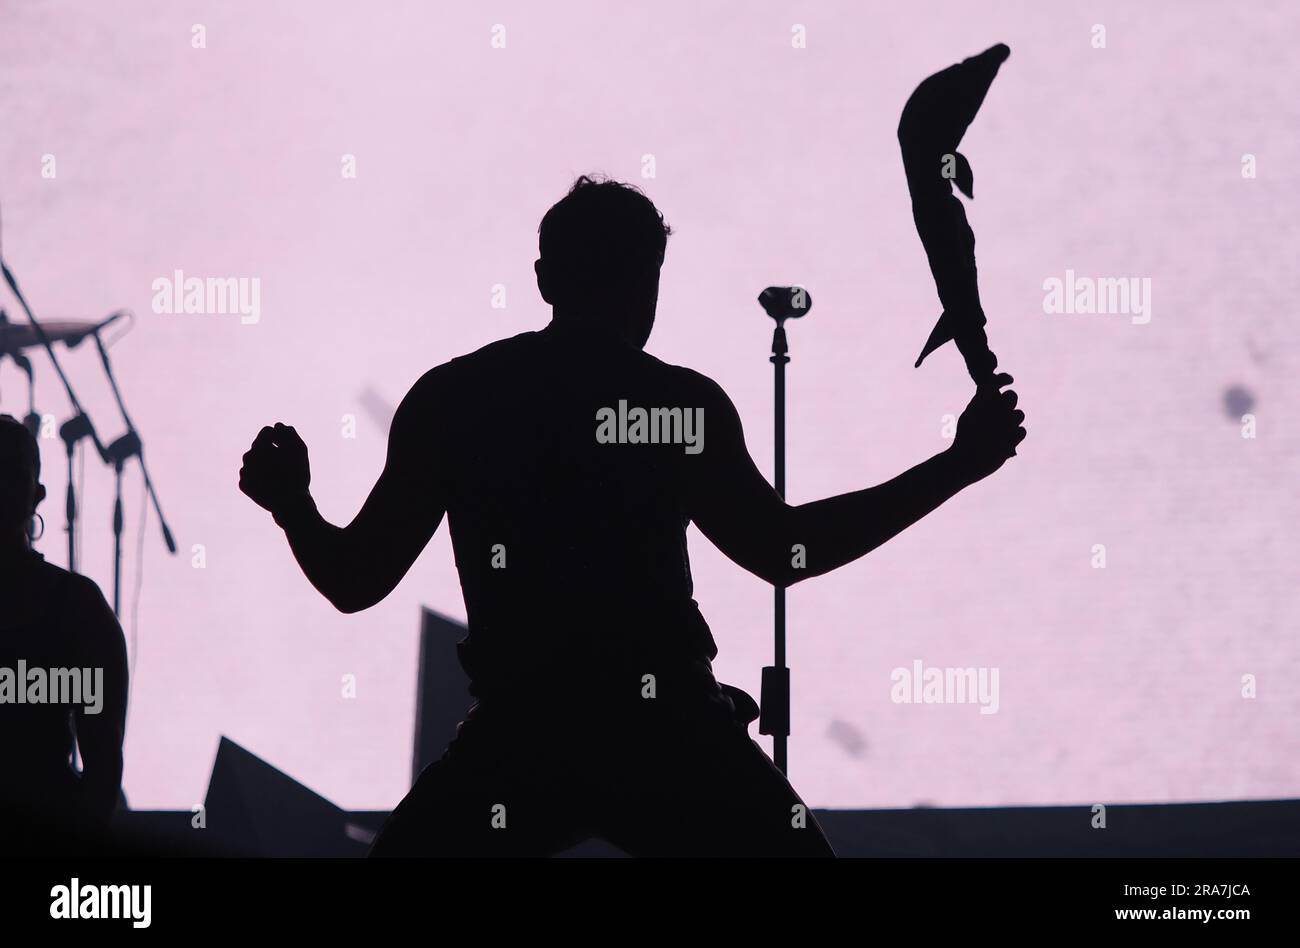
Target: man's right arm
736,508
356,566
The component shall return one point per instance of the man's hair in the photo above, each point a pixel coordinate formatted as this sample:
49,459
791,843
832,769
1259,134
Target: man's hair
600,240
16,441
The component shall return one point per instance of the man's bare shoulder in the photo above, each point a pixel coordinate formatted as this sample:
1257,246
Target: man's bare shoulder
500,362
508,348
694,385
449,379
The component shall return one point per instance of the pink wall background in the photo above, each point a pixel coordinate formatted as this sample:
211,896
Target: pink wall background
774,165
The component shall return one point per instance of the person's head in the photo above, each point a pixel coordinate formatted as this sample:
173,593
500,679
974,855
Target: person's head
601,249
20,481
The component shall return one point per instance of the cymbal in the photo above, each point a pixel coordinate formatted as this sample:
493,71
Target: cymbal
15,337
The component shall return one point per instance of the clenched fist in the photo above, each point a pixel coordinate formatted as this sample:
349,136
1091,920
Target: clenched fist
989,429
276,474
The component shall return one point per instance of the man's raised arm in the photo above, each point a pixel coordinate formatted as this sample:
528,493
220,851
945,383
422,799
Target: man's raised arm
356,566
736,508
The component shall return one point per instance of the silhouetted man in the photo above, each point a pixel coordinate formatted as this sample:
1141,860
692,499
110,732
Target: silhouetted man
569,463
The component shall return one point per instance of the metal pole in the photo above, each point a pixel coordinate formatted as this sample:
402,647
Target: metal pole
117,540
776,679
780,303
70,510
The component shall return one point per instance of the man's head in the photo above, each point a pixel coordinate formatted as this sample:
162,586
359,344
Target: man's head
601,249
20,479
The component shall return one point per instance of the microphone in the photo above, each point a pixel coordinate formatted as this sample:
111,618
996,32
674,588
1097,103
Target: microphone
785,302
73,341
111,319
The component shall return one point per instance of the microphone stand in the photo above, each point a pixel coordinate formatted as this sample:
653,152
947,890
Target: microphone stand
119,452
781,303
74,429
